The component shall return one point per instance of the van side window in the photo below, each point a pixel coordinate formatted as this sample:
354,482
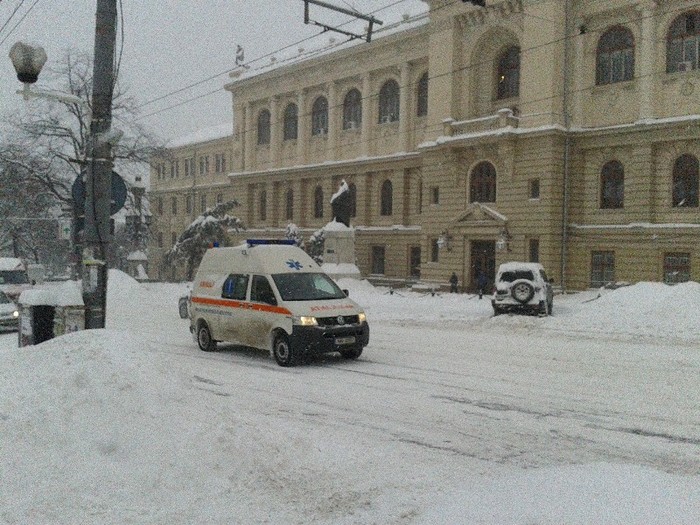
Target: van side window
235,287
261,291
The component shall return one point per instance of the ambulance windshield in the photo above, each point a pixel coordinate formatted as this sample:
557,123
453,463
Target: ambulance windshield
307,287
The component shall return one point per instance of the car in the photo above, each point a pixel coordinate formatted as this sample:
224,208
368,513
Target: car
522,287
9,313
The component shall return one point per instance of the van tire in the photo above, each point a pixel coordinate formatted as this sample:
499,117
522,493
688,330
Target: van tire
352,353
204,338
282,350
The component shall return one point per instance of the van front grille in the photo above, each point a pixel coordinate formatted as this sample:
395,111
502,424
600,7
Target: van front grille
338,320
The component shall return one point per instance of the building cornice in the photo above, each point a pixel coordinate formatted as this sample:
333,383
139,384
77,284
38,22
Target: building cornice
340,165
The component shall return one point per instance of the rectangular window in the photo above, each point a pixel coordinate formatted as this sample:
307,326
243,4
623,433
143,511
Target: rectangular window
434,250
188,204
219,198
602,268
160,239
189,167
378,253
534,249
235,287
203,165
676,268
203,203
220,161
534,189
434,195
173,205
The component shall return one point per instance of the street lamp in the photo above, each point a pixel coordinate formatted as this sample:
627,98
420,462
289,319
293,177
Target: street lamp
28,61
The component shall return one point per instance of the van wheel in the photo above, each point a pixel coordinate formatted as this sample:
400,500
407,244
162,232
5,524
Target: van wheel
282,350
352,353
204,339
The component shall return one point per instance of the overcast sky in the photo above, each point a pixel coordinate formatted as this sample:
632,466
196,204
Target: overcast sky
173,44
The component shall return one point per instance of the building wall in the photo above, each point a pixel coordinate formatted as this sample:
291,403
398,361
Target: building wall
553,135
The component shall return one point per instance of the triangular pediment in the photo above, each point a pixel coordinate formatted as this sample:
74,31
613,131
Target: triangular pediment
478,214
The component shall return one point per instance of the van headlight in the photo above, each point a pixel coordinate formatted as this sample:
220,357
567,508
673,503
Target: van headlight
15,313
306,321
361,317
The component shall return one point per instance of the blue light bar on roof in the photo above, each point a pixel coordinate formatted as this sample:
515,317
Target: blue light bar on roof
256,242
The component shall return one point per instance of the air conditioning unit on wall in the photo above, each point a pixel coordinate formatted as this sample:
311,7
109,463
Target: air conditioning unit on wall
685,66
351,124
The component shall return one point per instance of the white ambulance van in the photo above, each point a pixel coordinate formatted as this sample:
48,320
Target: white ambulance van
271,295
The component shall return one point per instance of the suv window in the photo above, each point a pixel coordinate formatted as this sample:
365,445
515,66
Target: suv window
235,287
510,276
261,291
544,276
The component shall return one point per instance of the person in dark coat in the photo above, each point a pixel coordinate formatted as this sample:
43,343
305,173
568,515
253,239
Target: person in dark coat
454,281
481,282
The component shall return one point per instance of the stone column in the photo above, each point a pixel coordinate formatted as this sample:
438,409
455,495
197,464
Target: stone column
275,135
302,128
647,48
405,109
249,137
368,100
333,125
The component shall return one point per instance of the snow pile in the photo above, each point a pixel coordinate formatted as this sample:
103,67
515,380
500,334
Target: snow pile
646,309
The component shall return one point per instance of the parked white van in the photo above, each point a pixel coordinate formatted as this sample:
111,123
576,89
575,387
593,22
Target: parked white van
271,295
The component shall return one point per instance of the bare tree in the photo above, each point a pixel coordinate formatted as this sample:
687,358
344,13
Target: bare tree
48,141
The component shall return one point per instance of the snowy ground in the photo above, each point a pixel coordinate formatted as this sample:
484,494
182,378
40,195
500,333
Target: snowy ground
450,416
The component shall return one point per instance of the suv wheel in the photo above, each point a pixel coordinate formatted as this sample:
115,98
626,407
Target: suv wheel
522,291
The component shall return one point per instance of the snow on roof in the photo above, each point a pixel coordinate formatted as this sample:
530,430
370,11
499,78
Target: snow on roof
137,256
68,293
10,263
332,44
203,135
343,188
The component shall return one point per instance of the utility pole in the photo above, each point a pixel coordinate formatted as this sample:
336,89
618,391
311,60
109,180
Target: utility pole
99,169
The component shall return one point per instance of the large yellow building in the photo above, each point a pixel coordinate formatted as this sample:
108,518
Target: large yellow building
560,131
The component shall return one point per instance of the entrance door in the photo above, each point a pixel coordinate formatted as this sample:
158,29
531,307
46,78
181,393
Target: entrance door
483,259
414,263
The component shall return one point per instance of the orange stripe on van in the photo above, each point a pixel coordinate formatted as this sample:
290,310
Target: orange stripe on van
230,303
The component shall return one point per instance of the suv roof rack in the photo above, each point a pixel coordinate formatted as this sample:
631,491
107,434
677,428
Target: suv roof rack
257,242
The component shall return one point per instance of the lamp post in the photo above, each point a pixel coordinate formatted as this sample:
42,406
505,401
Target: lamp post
28,61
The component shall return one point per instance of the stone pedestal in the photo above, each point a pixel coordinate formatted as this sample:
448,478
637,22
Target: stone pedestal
339,251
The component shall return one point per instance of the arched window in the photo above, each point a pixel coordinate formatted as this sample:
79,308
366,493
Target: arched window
685,182
482,187
352,191
612,185
352,110
318,202
509,73
422,96
291,115
683,43
289,208
389,102
264,127
262,209
615,56
387,198
319,116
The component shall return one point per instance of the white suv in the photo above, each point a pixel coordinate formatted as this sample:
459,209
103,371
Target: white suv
524,287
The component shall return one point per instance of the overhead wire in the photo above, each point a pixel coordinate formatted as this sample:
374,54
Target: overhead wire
14,12
19,21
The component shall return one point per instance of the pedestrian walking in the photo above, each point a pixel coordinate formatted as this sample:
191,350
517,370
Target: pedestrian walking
454,281
481,282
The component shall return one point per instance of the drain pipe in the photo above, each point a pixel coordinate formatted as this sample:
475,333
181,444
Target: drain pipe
567,145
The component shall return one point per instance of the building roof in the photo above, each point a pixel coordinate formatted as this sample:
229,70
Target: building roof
219,131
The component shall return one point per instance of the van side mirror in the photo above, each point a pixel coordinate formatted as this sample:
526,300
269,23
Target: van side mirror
346,292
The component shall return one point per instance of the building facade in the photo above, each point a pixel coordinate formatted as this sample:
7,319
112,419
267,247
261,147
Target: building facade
564,132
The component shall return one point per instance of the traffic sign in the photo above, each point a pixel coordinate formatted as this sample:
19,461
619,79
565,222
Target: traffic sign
118,199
